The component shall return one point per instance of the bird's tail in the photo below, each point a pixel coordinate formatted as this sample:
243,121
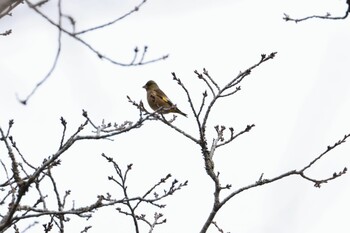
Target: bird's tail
178,111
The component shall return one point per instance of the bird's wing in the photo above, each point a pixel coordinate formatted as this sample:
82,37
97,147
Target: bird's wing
159,94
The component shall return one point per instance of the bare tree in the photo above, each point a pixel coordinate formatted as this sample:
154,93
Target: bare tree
213,94
23,177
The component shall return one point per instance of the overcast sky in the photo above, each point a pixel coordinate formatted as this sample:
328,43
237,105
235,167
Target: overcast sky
299,102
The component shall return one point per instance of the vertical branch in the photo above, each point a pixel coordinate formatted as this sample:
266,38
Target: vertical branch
122,183
58,199
54,64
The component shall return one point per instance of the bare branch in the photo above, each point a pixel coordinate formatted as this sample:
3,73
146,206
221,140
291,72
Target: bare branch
132,207
74,35
64,123
54,64
186,91
14,145
135,9
99,54
233,137
329,148
326,16
168,123
217,227
20,184
8,5
200,76
262,181
205,95
206,73
157,221
6,33
86,229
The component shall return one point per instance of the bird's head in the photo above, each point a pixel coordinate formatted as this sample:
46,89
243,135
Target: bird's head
150,85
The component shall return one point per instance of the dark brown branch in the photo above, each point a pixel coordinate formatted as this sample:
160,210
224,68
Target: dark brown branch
143,54
135,9
206,73
217,227
99,54
64,124
233,137
74,35
205,95
86,229
60,205
30,226
157,116
233,83
262,181
231,93
157,221
54,64
7,176
192,107
41,3
168,123
14,163
186,91
6,33
132,207
200,76
329,148
326,16
228,90
8,5
14,145
23,183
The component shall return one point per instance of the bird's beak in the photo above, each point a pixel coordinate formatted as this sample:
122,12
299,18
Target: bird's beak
144,86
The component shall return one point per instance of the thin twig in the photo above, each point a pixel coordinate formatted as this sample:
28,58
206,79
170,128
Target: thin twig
99,54
54,64
136,8
326,16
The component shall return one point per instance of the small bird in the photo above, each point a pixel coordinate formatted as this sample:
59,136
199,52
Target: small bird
157,99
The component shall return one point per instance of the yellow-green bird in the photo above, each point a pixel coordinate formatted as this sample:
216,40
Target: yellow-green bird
157,99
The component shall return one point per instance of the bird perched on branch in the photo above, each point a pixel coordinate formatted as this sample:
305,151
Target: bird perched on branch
157,99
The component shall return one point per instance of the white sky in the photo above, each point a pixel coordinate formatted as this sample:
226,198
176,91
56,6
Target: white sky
299,103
